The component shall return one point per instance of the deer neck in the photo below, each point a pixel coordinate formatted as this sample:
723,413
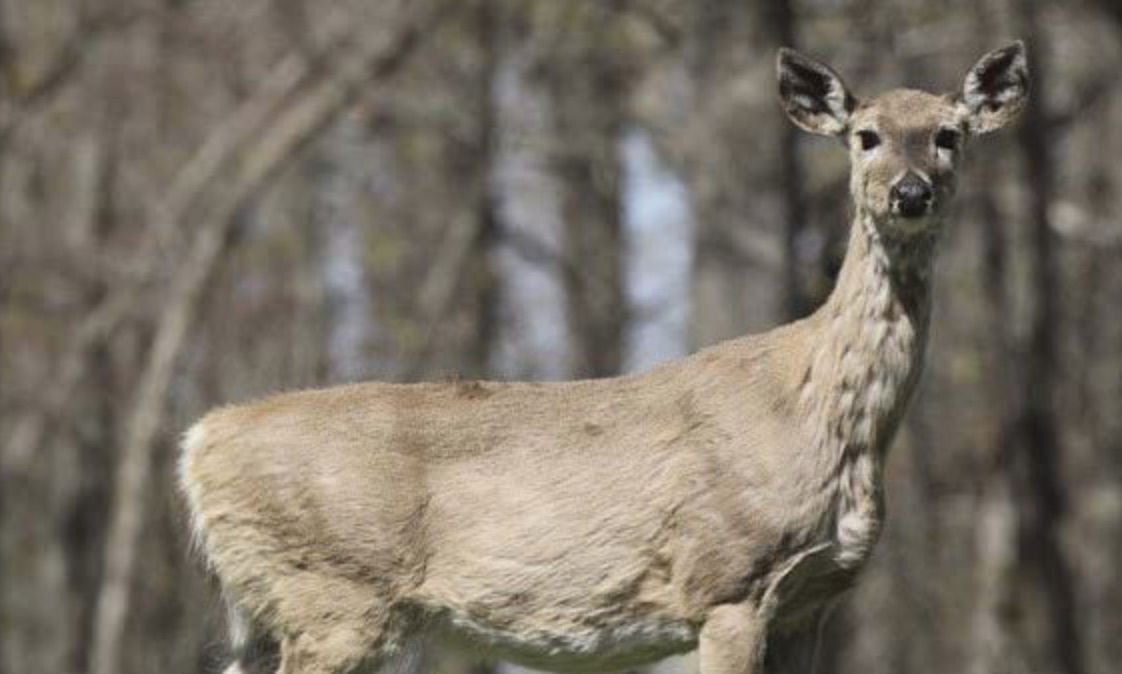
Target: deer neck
866,354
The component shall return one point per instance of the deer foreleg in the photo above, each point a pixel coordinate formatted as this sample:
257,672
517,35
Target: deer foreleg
732,640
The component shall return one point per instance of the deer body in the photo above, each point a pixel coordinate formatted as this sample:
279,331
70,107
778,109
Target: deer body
719,501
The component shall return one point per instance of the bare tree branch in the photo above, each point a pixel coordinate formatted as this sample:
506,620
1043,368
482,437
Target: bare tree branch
438,289
68,64
217,151
665,27
29,431
223,144
310,112
758,250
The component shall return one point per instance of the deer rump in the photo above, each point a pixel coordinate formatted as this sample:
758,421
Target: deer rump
591,523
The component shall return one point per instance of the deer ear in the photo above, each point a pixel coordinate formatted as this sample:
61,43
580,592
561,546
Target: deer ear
812,94
996,88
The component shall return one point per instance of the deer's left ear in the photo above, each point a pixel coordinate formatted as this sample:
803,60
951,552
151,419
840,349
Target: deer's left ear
996,88
812,94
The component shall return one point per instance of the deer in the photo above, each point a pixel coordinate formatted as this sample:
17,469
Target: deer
721,502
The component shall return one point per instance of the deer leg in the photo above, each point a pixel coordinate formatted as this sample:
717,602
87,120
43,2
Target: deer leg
342,651
336,627
732,640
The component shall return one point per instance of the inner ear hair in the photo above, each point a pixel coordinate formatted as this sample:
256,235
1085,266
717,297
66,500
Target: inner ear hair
995,89
999,77
801,78
813,94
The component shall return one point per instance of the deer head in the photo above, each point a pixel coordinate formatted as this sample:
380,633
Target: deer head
905,145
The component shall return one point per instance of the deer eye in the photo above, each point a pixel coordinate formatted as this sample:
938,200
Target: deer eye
869,139
946,139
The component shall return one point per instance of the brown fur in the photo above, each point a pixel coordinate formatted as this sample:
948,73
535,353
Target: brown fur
721,501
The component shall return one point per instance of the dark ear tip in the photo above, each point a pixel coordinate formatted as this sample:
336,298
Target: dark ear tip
1013,55
784,55
1017,48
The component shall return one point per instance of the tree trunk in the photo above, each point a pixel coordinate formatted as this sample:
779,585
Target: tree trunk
797,301
1035,436
487,30
588,120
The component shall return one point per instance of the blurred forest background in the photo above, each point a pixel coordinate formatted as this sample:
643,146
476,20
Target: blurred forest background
204,201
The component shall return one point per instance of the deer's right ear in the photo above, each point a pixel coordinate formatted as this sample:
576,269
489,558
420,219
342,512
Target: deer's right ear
996,88
813,95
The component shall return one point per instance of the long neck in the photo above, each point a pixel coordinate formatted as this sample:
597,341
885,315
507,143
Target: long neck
870,337
865,356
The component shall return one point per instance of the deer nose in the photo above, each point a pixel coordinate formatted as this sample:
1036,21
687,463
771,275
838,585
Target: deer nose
912,195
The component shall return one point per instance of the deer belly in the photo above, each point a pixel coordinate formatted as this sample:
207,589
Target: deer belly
577,613
555,642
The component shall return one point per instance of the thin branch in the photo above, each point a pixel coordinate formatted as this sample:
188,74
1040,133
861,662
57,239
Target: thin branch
760,250
29,432
533,250
216,152
439,287
68,64
670,32
222,146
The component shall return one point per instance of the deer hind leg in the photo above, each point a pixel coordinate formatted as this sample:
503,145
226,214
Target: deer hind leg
322,654
255,651
732,640
338,648
335,627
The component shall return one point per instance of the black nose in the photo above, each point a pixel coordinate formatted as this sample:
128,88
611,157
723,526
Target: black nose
912,195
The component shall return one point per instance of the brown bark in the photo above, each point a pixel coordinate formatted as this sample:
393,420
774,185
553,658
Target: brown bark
1035,433
487,32
995,650
588,121
797,301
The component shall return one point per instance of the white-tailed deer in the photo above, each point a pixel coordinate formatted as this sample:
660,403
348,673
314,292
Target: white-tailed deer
719,502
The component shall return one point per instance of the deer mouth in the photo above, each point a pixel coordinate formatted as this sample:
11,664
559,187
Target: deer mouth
911,210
